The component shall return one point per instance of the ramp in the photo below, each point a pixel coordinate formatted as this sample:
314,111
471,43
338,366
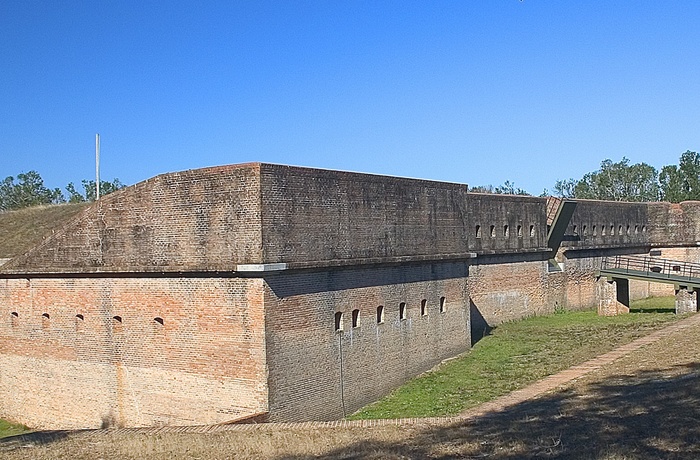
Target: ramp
652,269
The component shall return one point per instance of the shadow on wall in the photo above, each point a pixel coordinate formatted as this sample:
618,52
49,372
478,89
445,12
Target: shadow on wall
479,327
288,284
645,415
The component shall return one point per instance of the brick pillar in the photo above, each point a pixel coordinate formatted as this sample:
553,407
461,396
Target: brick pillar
686,301
612,296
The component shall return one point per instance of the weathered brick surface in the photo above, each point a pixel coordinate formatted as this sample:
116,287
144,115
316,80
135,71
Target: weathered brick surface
318,215
686,301
205,362
505,288
607,295
608,224
318,373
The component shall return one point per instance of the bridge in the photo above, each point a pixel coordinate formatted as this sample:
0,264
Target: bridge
618,270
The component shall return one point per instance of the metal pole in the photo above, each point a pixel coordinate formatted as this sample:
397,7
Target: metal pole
97,166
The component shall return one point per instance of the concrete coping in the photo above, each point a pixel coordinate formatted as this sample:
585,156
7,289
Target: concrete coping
261,267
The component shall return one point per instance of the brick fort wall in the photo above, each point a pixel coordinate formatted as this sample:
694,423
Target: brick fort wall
82,353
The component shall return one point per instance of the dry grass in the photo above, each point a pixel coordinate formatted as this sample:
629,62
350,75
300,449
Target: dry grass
645,405
22,229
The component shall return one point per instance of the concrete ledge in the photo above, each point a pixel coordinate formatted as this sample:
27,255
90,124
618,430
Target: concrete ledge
261,267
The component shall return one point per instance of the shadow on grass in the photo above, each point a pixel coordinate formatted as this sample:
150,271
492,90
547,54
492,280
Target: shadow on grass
36,438
652,310
640,416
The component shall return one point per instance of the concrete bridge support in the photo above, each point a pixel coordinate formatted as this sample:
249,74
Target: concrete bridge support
686,300
613,296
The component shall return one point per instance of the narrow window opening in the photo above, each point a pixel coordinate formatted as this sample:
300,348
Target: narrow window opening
14,318
532,231
117,319
506,231
602,230
492,231
424,307
520,231
644,228
575,229
619,230
595,231
355,318
478,231
338,321
549,228
585,230
636,229
79,319
612,230
402,310
158,320
443,308
380,314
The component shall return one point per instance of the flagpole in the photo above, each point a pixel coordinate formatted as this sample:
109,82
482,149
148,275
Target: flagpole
97,166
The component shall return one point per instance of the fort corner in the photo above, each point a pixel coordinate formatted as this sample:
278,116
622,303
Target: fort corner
216,294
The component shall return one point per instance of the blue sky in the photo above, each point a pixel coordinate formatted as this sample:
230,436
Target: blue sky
476,92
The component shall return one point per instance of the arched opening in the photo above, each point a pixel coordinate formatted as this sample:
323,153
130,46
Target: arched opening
355,318
338,321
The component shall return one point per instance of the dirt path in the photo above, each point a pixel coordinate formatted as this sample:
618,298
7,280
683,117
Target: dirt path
639,401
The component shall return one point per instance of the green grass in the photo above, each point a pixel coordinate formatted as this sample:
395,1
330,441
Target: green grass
516,354
22,229
11,429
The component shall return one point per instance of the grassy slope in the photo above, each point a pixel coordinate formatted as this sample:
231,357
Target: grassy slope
22,229
516,354
11,429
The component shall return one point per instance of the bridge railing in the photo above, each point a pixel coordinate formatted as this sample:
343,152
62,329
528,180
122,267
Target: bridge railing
653,267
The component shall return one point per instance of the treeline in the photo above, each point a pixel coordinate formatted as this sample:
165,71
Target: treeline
623,181
28,189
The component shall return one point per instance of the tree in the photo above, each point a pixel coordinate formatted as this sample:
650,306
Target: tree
508,188
614,182
28,190
91,190
565,188
682,182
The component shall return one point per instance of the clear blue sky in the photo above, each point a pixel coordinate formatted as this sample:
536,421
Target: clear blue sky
477,92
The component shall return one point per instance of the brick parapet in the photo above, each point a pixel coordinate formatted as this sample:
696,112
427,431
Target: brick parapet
212,219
